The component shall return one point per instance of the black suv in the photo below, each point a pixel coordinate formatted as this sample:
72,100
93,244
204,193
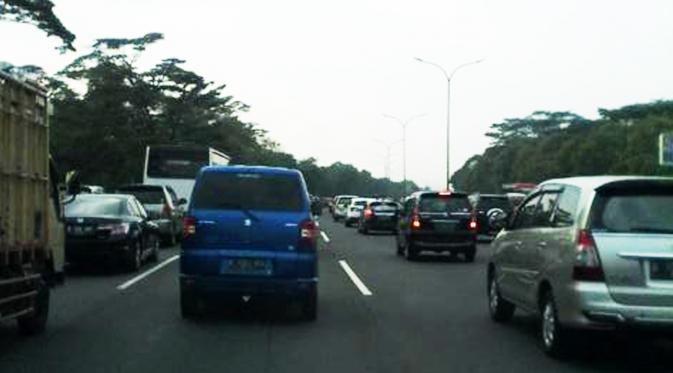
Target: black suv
487,204
438,222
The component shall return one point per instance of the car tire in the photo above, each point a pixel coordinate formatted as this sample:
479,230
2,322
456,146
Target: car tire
365,230
555,340
36,322
399,249
470,254
499,308
154,246
189,304
410,252
309,307
134,257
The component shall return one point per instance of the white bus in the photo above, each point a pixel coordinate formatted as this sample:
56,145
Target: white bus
177,165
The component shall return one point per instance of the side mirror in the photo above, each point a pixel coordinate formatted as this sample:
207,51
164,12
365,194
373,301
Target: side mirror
72,183
497,219
182,201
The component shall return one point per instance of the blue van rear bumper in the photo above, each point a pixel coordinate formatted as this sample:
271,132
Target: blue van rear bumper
213,286
293,273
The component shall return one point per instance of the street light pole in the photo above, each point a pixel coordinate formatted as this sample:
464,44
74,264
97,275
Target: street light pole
388,146
448,77
404,124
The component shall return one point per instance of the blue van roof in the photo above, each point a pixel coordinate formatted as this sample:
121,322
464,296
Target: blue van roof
251,169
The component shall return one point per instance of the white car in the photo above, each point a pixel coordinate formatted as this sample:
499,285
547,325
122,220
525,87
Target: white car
341,203
354,210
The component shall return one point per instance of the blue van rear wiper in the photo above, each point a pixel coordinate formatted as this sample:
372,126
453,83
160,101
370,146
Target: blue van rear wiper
236,206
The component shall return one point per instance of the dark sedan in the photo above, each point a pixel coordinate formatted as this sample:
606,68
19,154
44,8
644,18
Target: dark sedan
378,216
109,228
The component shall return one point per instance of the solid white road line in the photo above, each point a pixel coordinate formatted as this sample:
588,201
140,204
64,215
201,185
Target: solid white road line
354,277
324,236
141,276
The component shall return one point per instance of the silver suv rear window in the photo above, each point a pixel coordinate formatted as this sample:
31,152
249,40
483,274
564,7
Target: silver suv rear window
639,211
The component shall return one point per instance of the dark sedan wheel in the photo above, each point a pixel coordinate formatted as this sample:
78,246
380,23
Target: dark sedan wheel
154,249
399,248
134,257
410,252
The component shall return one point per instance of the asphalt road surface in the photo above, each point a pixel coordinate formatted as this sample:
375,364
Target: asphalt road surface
377,313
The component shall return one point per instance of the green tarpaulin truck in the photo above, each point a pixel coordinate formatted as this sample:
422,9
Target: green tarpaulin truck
31,223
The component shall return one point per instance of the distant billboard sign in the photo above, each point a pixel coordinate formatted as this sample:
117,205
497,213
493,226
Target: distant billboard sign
666,149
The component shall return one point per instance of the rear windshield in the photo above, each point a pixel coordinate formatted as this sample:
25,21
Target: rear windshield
438,203
178,163
383,206
345,201
648,211
146,196
488,203
82,207
248,191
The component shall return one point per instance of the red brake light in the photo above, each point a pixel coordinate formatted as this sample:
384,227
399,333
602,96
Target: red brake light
415,222
473,225
445,193
587,262
308,231
369,213
188,226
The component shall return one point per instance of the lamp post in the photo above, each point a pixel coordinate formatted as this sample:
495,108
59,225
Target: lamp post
448,109
404,124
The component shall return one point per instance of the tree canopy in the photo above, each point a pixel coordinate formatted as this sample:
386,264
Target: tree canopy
548,145
39,13
103,131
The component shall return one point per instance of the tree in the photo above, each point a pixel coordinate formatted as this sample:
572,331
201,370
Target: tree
39,13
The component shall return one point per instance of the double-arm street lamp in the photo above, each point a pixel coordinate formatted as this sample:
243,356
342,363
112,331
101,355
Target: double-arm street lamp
448,110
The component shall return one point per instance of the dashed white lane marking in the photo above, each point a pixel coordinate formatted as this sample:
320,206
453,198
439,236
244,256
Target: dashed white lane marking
141,276
324,236
354,277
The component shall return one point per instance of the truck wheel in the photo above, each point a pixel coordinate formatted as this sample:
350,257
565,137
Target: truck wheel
36,322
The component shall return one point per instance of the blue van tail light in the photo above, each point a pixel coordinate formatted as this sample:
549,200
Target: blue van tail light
309,234
188,226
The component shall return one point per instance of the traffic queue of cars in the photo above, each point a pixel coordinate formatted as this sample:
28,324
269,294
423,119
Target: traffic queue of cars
582,254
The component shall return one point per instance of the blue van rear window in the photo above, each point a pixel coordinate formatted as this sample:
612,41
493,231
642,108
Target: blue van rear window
249,191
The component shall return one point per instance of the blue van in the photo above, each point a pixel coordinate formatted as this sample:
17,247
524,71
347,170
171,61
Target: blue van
249,232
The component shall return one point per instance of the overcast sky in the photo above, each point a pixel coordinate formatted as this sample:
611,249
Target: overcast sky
318,75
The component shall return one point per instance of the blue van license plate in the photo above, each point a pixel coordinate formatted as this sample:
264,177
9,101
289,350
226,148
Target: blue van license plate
246,266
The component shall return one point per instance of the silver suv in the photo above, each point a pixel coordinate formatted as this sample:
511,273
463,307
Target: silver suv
586,253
